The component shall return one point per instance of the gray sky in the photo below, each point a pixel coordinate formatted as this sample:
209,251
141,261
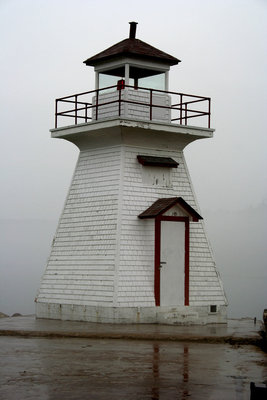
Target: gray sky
222,45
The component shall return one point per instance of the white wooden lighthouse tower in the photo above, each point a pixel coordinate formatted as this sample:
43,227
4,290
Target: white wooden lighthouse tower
130,246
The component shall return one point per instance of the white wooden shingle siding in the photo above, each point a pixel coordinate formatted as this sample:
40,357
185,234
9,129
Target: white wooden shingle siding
205,285
130,110
102,253
81,265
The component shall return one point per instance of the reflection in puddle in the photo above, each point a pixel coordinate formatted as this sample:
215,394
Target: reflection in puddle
155,395
185,373
155,368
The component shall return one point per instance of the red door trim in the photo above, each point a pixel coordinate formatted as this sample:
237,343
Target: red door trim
157,261
158,220
186,264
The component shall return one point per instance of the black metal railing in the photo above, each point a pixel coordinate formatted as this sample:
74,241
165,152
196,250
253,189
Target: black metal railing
86,106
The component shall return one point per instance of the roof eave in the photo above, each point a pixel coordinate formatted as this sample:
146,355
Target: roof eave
91,62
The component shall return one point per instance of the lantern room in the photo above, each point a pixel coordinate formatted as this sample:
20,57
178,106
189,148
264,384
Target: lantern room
132,82
132,73
134,62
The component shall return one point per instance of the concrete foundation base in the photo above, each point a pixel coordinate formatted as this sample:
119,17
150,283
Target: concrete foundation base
179,315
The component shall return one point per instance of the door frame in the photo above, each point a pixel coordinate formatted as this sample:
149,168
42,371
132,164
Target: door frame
158,220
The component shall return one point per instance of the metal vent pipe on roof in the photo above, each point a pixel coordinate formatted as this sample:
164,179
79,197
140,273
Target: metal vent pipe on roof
132,29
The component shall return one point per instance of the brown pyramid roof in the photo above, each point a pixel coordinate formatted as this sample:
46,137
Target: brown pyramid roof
132,47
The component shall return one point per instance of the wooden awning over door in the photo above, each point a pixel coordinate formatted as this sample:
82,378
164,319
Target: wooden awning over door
161,206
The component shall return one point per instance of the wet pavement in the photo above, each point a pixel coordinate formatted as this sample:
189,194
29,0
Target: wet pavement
100,369
236,331
49,360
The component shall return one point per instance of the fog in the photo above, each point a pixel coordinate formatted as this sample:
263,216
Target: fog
222,45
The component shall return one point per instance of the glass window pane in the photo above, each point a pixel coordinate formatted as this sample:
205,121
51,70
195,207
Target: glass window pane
153,82
107,80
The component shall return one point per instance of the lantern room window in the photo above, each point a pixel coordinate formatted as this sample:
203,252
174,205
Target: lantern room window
137,77
106,80
141,77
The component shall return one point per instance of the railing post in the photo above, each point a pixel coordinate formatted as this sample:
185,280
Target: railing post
181,109
185,113
86,118
150,104
76,119
56,114
96,105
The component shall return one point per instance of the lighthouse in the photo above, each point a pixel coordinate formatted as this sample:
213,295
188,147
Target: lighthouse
130,245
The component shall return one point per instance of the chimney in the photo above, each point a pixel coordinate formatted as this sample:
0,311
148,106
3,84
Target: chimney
132,29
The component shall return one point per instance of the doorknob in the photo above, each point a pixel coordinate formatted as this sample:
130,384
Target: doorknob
162,263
